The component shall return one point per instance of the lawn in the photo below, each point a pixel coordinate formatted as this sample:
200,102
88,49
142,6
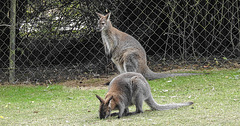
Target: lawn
216,98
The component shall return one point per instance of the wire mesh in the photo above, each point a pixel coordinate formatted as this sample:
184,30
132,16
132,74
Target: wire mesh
56,39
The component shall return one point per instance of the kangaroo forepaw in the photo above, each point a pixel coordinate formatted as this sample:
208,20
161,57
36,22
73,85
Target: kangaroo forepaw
114,114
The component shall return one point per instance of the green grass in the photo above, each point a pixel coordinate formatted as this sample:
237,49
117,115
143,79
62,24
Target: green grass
216,98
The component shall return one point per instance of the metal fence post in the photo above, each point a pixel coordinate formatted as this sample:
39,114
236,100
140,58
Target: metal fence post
12,42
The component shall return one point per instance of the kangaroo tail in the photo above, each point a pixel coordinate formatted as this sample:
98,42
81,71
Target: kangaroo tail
154,106
150,75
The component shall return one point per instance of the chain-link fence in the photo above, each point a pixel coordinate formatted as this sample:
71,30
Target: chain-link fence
56,39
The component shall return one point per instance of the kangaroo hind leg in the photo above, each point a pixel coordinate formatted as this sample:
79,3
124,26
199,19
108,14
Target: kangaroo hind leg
139,103
118,65
130,63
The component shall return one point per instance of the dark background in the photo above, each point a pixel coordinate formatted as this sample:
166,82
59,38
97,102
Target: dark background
56,39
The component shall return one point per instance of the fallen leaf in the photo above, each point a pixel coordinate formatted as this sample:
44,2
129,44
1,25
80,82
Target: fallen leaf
70,98
165,90
35,111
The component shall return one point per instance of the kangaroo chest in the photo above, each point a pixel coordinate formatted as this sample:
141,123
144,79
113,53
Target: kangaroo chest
108,42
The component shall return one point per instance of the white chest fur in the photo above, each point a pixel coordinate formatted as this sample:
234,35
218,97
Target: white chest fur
107,42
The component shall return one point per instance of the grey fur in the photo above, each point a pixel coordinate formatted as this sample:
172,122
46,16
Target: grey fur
126,52
132,89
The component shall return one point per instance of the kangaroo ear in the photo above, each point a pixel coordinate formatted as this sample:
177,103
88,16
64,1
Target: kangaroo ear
108,101
100,99
108,16
99,15
134,78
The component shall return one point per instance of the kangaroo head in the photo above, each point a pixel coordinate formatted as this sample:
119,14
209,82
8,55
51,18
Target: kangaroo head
105,107
103,22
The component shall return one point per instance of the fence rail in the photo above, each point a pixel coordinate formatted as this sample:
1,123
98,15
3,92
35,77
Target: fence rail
56,39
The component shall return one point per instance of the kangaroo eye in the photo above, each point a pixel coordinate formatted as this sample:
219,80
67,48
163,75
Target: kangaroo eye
103,23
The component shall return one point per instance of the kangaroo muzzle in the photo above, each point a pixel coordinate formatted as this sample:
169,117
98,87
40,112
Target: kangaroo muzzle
98,28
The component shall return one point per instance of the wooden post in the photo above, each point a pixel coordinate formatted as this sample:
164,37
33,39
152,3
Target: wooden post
12,42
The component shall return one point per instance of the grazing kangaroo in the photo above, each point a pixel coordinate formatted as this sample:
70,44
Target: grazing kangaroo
126,52
127,89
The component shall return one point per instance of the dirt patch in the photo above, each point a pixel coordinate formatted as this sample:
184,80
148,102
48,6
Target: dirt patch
90,82
86,83
100,82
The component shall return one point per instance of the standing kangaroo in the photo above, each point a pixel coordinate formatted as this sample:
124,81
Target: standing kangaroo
127,89
126,52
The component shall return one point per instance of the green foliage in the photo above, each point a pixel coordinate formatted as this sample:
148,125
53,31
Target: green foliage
215,96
